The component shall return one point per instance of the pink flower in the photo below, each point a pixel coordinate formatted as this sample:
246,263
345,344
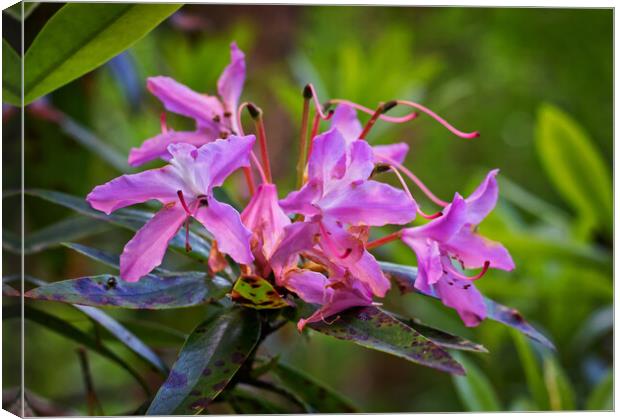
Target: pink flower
215,117
185,187
452,237
345,120
337,197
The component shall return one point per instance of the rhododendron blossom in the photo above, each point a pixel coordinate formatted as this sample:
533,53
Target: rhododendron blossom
314,243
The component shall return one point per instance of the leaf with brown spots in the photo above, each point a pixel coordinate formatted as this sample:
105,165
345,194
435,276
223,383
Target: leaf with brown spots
405,276
209,359
372,328
257,293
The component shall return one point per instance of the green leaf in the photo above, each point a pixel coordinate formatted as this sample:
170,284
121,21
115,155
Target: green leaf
72,228
533,373
151,292
211,356
11,75
372,328
15,11
244,402
317,396
69,331
475,389
405,277
444,339
124,336
127,218
575,166
602,397
559,388
82,36
257,293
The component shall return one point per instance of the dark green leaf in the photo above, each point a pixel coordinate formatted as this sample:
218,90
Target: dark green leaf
257,293
475,389
127,218
319,397
602,397
207,362
82,36
69,229
151,292
124,335
244,402
575,166
15,11
94,144
405,276
11,75
372,328
70,332
444,339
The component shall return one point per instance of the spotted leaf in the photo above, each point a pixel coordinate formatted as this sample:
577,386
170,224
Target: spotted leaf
255,292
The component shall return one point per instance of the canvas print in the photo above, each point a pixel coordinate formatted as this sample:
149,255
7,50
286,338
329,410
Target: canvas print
269,209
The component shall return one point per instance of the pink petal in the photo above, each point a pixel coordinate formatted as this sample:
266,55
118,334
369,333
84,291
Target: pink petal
302,201
328,160
217,160
443,228
428,255
297,238
264,217
369,203
160,184
345,120
157,147
146,249
361,164
310,286
230,84
474,250
368,271
482,201
182,100
464,298
224,222
396,152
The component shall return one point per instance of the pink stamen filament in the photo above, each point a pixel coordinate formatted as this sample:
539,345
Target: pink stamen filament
183,203
249,177
439,119
162,121
315,129
331,245
415,180
262,141
317,104
384,240
393,119
418,209
459,275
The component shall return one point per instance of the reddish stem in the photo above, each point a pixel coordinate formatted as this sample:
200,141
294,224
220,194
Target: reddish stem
384,240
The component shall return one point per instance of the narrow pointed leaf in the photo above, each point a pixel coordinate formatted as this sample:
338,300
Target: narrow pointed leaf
532,371
257,293
151,292
244,402
125,336
207,362
69,331
372,328
405,276
127,218
602,397
82,36
11,75
319,397
475,389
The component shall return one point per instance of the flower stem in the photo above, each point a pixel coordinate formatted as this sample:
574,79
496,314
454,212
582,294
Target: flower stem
384,240
301,163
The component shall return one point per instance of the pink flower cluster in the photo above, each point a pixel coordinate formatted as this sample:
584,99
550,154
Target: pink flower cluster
314,242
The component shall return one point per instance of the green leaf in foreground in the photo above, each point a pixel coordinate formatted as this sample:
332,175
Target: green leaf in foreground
372,328
444,339
209,359
602,397
82,36
11,75
318,397
533,372
475,389
151,292
257,293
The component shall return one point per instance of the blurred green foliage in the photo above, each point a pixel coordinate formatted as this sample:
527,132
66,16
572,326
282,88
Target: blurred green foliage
537,83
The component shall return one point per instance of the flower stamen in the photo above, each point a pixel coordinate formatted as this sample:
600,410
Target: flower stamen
459,275
381,109
392,119
384,240
439,119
